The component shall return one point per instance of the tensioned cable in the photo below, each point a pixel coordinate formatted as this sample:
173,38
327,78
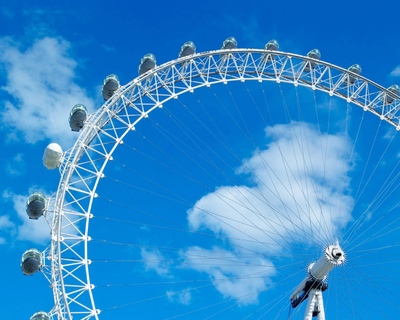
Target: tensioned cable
187,230
263,160
239,299
246,207
215,215
276,142
359,225
158,297
311,167
239,128
270,169
289,119
362,177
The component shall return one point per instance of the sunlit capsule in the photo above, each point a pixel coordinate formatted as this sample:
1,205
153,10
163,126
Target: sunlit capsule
147,63
41,315
355,68
395,89
35,205
52,156
110,85
314,54
272,45
77,117
229,43
187,49
31,261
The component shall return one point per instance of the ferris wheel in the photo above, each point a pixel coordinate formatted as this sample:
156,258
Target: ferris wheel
235,183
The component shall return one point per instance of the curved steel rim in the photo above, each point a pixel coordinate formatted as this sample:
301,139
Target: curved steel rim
152,81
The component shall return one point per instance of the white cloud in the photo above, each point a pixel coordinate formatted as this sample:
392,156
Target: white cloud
395,72
7,13
6,226
5,223
16,165
180,297
292,190
233,275
154,260
40,81
107,48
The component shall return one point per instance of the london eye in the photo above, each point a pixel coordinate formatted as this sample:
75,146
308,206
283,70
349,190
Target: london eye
239,183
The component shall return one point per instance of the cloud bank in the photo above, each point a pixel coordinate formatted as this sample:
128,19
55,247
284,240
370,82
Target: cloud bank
41,88
298,195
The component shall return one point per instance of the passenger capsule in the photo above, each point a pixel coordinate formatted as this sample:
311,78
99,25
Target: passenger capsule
41,315
52,156
355,68
229,43
314,54
35,205
147,63
272,45
31,262
395,89
77,117
187,49
110,85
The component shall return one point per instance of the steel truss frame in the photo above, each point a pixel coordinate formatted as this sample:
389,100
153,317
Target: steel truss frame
69,210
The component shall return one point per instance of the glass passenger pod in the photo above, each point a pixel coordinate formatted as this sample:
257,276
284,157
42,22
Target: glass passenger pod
395,89
229,43
147,63
272,45
52,156
36,205
355,68
31,261
110,85
77,117
314,54
187,49
41,315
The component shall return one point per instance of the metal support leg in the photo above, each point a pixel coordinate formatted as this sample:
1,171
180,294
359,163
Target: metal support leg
320,304
310,305
314,299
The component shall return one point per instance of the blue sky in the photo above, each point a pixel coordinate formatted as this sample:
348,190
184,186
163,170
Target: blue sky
54,55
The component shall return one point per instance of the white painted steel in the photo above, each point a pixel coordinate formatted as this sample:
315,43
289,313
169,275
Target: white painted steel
332,257
135,101
315,298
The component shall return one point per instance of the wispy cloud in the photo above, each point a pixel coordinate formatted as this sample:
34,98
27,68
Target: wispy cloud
6,226
182,297
41,88
395,72
7,13
233,274
154,260
16,165
107,48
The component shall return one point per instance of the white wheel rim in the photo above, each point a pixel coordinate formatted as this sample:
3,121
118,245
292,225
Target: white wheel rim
160,85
